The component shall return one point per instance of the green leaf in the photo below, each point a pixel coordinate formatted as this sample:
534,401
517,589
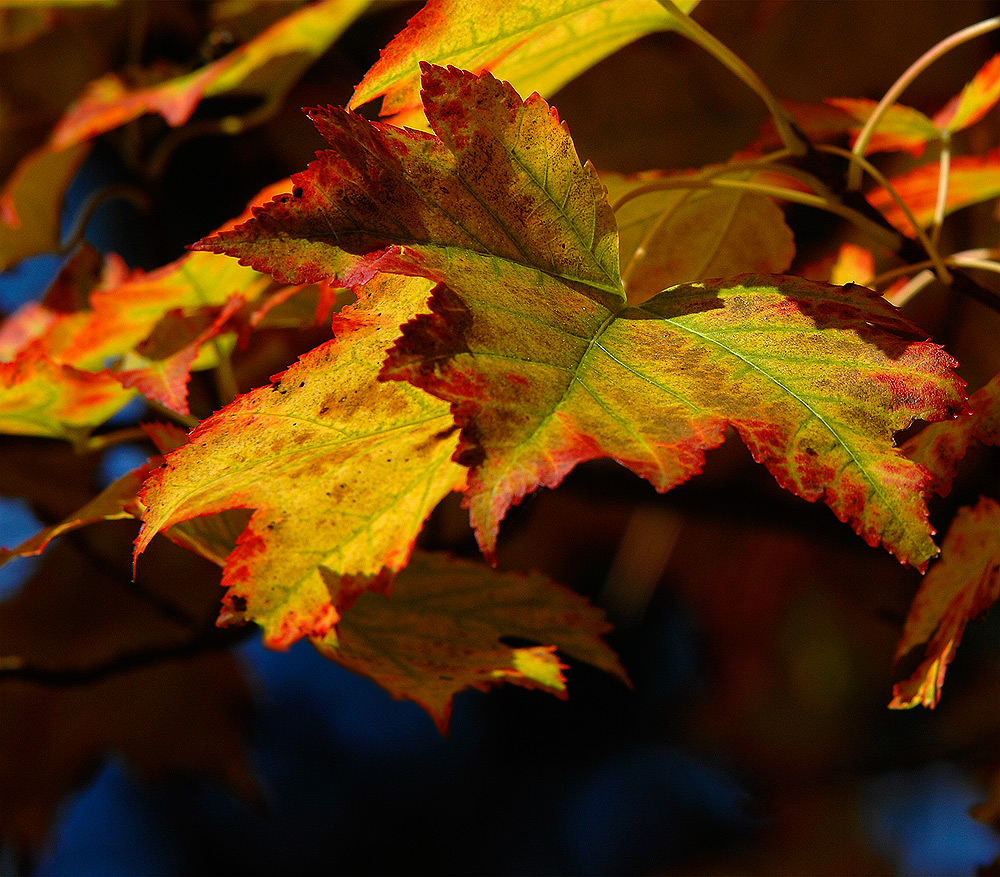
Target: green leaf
536,45
442,630
962,585
342,471
501,184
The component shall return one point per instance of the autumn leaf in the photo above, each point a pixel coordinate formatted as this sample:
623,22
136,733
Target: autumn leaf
31,202
974,101
537,46
814,378
940,447
962,585
269,64
972,179
163,375
901,128
341,469
443,628
673,236
542,360
44,398
853,264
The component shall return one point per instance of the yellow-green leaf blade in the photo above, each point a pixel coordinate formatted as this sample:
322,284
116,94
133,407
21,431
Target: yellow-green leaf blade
342,471
816,379
537,46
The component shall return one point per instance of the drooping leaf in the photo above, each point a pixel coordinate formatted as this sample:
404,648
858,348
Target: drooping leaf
972,179
44,398
542,360
962,585
940,447
31,202
537,46
442,632
679,235
341,469
268,65
163,375
115,502
974,101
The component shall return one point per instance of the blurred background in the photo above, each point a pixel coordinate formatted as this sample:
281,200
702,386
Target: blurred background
759,632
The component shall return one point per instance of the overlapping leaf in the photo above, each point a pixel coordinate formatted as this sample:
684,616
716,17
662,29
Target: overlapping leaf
537,46
31,202
959,588
442,630
545,365
940,447
44,398
972,179
342,471
675,236
268,64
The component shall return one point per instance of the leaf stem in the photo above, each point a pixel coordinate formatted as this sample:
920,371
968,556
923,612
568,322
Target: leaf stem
783,122
105,440
929,244
897,88
941,202
884,236
125,191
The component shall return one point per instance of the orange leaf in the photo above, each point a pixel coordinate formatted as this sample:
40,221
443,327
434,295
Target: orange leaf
971,180
269,63
31,202
977,98
962,585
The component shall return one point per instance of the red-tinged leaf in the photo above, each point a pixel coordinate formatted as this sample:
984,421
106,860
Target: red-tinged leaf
164,376
31,202
268,64
902,128
972,179
940,447
442,632
975,100
814,378
536,45
28,323
124,315
115,502
386,199
341,469
43,398
676,236
854,264
962,585
536,349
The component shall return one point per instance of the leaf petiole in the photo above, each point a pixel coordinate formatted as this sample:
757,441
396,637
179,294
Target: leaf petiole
783,122
900,85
